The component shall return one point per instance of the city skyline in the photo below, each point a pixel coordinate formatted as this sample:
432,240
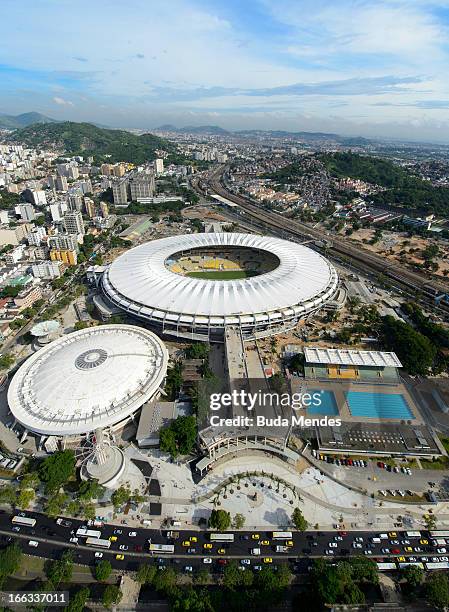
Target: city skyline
359,68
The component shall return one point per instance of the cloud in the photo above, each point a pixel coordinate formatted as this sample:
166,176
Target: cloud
62,101
346,87
80,59
140,56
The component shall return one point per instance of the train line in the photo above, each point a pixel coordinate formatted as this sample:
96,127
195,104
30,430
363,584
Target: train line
414,281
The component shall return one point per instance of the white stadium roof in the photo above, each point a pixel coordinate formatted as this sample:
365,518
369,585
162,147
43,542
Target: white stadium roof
140,282
351,357
96,377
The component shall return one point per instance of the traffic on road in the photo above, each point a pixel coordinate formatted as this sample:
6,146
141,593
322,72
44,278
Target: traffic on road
127,547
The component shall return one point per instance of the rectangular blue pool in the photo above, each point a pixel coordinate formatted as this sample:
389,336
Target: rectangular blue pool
328,405
378,405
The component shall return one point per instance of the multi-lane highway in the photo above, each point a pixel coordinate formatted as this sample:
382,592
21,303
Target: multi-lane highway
192,548
416,281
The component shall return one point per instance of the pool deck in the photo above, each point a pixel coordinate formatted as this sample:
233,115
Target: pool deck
341,387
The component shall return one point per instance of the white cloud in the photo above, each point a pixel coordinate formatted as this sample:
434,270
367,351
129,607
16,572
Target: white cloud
62,101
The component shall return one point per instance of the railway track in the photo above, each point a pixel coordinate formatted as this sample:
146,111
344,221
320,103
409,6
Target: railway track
414,281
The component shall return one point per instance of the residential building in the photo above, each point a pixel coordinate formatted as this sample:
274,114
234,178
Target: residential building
104,209
74,201
159,165
118,170
142,185
120,191
48,270
28,296
36,197
63,242
68,257
73,223
15,255
89,205
27,212
58,210
61,183
36,236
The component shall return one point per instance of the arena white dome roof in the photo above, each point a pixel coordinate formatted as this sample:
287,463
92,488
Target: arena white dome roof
141,283
96,377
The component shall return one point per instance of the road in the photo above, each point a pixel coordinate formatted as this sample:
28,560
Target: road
53,538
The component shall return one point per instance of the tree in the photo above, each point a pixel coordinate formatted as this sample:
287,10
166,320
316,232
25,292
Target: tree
103,570
298,520
30,481
202,576
55,504
89,511
179,437
167,441
416,352
78,601
198,350
120,496
57,469
146,573
192,600
90,489
60,570
80,325
413,575
6,361
10,561
239,521
364,569
25,498
220,519
165,580
8,495
437,590
112,595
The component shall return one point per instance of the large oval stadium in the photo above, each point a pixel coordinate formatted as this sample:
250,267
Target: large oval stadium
96,377
196,285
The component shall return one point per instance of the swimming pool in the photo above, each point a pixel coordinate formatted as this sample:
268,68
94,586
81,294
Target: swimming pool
328,405
378,405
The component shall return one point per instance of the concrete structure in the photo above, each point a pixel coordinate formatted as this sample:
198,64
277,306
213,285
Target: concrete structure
142,185
58,210
277,284
45,331
27,212
93,378
120,191
159,165
36,236
67,256
14,235
63,241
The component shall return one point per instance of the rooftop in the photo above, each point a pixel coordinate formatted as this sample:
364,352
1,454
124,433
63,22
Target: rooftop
351,357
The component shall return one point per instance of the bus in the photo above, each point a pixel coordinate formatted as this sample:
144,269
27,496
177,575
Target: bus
439,534
26,521
82,532
413,534
162,548
437,565
221,537
98,542
386,567
282,535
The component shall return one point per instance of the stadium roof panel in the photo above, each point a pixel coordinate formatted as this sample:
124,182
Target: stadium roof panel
140,278
351,357
96,377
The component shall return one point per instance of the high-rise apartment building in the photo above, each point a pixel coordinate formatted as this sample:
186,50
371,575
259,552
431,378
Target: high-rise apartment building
73,223
61,183
142,185
120,191
159,165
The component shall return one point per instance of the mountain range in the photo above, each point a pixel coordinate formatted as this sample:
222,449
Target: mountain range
17,122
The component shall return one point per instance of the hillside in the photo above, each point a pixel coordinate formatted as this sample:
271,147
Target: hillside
86,139
401,188
14,122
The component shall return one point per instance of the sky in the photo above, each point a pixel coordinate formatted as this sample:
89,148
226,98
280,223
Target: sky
375,68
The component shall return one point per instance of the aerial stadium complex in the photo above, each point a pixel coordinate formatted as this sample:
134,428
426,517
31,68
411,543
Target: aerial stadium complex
195,286
89,379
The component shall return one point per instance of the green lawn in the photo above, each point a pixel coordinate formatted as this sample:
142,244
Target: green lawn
222,274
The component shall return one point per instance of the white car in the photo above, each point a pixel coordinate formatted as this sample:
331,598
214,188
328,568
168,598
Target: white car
441,550
123,547
207,560
188,568
132,534
74,540
98,555
359,539
245,561
356,545
333,544
338,538
368,552
444,559
329,552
